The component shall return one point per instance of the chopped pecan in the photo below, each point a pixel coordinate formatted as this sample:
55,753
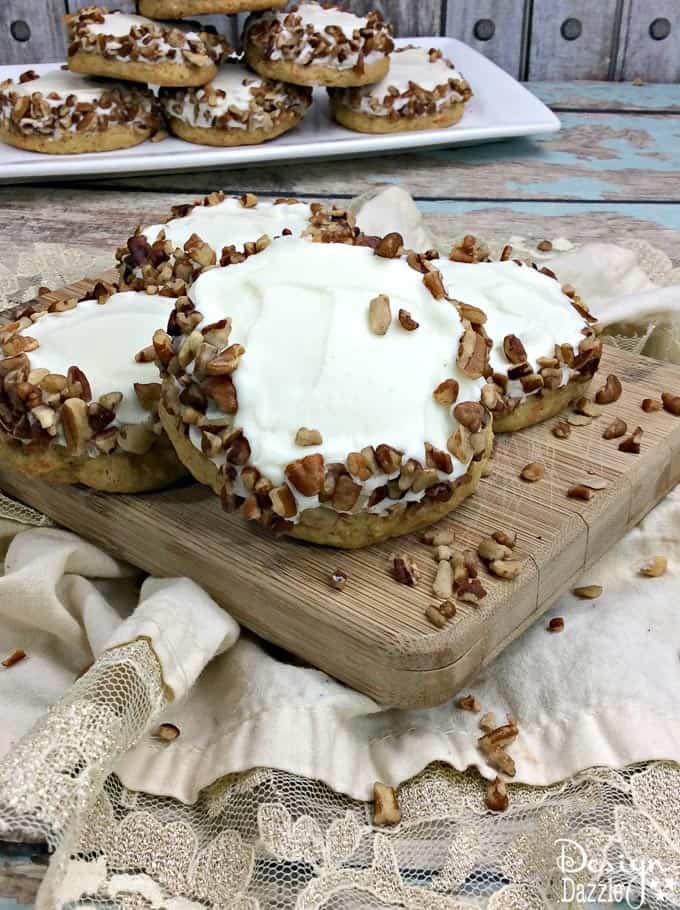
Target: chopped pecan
226,361
616,428
386,809
15,657
473,354
76,425
345,494
470,414
446,392
442,586
379,314
338,580
307,437
586,407
405,570
561,429
514,350
307,474
222,391
588,592
433,282
556,624
283,501
579,491
610,391
406,321
505,568
655,567
631,444
505,538
671,403
434,615
496,798
489,549
469,703
388,458
389,247
649,405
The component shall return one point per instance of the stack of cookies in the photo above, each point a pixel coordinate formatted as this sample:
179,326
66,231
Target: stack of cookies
330,385
177,72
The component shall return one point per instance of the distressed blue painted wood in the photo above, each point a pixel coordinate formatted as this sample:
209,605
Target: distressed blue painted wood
609,96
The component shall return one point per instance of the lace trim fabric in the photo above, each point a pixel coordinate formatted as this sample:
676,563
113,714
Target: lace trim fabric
270,839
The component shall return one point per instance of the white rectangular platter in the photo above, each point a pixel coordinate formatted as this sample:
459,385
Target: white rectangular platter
501,108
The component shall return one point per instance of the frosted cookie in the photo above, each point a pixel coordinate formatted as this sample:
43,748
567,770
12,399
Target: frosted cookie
179,9
329,389
204,232
79,399
318,45
131,47
545,350
421,91
237,107
64,113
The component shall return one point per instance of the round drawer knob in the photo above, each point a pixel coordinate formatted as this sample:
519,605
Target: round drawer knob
484,29
659,29
20,30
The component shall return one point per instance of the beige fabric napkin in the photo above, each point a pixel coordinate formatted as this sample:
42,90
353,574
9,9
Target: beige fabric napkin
605,691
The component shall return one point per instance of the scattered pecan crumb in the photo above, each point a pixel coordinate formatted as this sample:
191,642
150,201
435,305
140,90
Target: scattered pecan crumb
671,403
588,592
595,483
14,658
166,732
579,420
556,624
338,580
406,321
437,537
649,405
389,246
446,392
248,200
443,552
434,615
505,538
489,549
494,743
385,805
505,568
497,795
655,567
533,472
487,722
307,437
442,586
545,246
578,491
616,428
610,391
447,609
631,444
379,314
586,407
561,430
405,570
469,703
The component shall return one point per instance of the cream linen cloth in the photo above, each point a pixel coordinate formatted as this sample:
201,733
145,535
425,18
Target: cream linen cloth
604,692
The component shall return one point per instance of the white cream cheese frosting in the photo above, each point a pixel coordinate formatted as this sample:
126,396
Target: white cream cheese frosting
230,223
409,66
119,24
300,310
102,340
517,300
64,83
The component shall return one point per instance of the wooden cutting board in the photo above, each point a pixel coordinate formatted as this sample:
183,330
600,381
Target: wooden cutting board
374,635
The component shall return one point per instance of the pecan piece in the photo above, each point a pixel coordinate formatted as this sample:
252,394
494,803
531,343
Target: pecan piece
671,403
307,474
434,615
346,493
386,809
496,798
514,350
473,354
610,391
338,580
405,570
654,567
226,361
631,444
561,430
433,282
307,437
389,247
649,405
556,624
505,568
446,392
406,321
469,703
579,491
532,472
15,657
442,586
379,314
283,501
588,592
388,458
616,428
470,414
222,391
76,425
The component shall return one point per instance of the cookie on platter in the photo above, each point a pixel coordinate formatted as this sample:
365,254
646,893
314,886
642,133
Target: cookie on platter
63,113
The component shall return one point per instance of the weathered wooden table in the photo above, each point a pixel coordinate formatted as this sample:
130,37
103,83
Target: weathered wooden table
612,173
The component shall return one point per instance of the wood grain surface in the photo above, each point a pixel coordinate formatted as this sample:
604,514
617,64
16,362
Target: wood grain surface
588,56
44,20
472,22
